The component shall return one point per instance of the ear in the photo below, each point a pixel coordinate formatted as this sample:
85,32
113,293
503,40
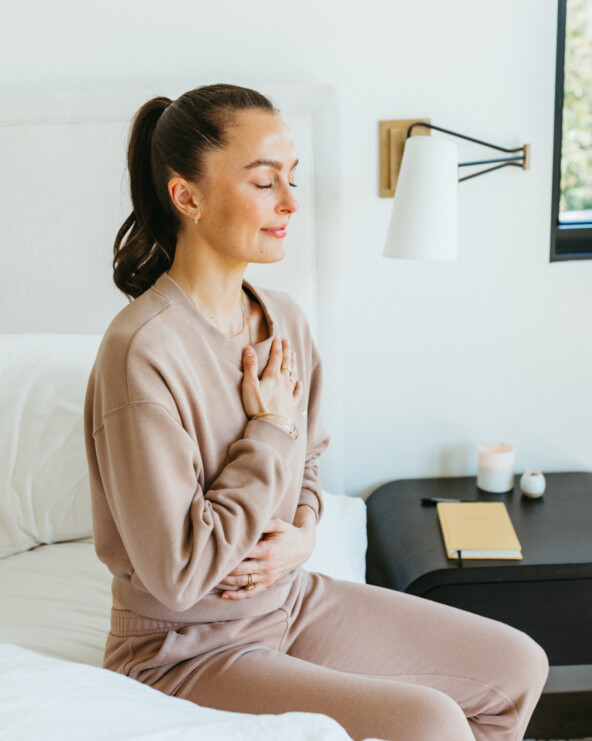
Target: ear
185,196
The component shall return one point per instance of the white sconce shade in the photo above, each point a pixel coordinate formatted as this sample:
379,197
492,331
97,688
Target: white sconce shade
424,219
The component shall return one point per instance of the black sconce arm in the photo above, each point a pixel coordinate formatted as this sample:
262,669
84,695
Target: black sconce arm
522,161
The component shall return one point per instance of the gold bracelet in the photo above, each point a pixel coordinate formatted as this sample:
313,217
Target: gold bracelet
286,424
312,509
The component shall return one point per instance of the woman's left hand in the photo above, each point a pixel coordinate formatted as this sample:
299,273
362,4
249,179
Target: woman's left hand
281,548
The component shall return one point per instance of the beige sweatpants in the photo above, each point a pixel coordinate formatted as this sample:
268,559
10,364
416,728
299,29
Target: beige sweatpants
383,664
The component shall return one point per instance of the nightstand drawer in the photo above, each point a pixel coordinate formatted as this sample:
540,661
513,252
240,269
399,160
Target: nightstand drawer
557,613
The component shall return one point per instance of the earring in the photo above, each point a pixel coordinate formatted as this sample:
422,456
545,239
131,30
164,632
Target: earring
196,219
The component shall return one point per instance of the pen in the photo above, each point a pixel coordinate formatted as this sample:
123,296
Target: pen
433,501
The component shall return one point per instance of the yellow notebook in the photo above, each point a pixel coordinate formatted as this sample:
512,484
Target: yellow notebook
478,530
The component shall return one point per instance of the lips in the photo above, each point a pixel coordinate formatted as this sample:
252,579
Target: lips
278,231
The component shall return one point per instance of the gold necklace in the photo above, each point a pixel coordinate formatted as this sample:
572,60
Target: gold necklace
246,318
242,329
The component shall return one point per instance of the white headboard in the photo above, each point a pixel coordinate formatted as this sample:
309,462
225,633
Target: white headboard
64,194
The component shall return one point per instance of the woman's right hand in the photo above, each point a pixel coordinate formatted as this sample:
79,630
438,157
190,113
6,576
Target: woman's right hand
277,391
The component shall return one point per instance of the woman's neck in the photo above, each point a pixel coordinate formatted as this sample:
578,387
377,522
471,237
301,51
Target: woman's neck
214,286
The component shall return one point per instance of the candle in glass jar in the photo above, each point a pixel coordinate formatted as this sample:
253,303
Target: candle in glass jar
495,467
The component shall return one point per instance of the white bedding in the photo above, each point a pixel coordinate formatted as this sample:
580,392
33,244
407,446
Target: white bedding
53,700
55,595
56,599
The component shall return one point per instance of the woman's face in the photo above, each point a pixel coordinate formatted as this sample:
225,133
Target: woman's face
247,197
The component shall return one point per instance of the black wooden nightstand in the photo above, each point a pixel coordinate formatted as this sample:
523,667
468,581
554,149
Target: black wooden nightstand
547,595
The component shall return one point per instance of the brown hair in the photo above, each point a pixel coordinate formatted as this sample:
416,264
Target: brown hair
169,138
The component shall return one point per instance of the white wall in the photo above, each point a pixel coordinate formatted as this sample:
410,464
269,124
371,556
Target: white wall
438,356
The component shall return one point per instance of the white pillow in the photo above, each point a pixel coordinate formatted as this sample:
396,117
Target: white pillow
340,550
44,489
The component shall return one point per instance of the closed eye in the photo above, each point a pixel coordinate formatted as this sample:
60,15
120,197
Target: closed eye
266,187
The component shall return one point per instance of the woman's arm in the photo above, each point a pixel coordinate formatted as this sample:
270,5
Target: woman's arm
180,541
282,548
291,545
317,440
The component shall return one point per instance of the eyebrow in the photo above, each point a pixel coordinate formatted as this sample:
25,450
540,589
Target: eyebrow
268,163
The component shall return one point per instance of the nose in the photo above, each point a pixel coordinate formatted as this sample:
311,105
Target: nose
288,203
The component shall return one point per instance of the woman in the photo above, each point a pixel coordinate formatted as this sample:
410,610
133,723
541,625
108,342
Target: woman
203,434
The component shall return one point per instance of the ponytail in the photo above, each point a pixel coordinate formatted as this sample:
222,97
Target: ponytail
145,245
169,138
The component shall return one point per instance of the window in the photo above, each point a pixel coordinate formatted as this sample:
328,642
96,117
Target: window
571,212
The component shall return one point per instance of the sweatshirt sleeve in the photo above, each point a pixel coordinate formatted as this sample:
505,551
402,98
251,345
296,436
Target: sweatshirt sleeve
142,453
317,441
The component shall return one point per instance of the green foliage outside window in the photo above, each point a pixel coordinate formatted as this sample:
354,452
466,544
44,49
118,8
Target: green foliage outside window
576,156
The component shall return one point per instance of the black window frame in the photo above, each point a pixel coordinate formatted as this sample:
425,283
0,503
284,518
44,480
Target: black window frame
568,241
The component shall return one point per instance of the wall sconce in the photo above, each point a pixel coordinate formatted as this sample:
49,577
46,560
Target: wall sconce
421,172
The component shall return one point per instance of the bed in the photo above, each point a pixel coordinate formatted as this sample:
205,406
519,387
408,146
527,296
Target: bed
55,595
56,298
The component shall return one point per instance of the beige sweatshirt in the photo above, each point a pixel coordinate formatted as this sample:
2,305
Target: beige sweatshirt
182,483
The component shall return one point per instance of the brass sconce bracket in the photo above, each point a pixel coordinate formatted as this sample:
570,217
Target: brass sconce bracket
393,135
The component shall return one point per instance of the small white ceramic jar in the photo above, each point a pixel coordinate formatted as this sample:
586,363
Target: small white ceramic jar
533,484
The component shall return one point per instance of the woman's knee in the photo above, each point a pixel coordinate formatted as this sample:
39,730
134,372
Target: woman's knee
408,712
526,665
533,662
441,718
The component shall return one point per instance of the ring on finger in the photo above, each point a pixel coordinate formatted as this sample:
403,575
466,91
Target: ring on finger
250,584
284,367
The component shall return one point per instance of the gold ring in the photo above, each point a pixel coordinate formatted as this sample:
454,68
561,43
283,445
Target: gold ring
250,584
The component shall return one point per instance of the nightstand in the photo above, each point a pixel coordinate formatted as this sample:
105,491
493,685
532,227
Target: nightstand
547,595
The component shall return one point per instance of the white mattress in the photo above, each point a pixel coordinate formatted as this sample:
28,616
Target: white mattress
55,603
56,600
